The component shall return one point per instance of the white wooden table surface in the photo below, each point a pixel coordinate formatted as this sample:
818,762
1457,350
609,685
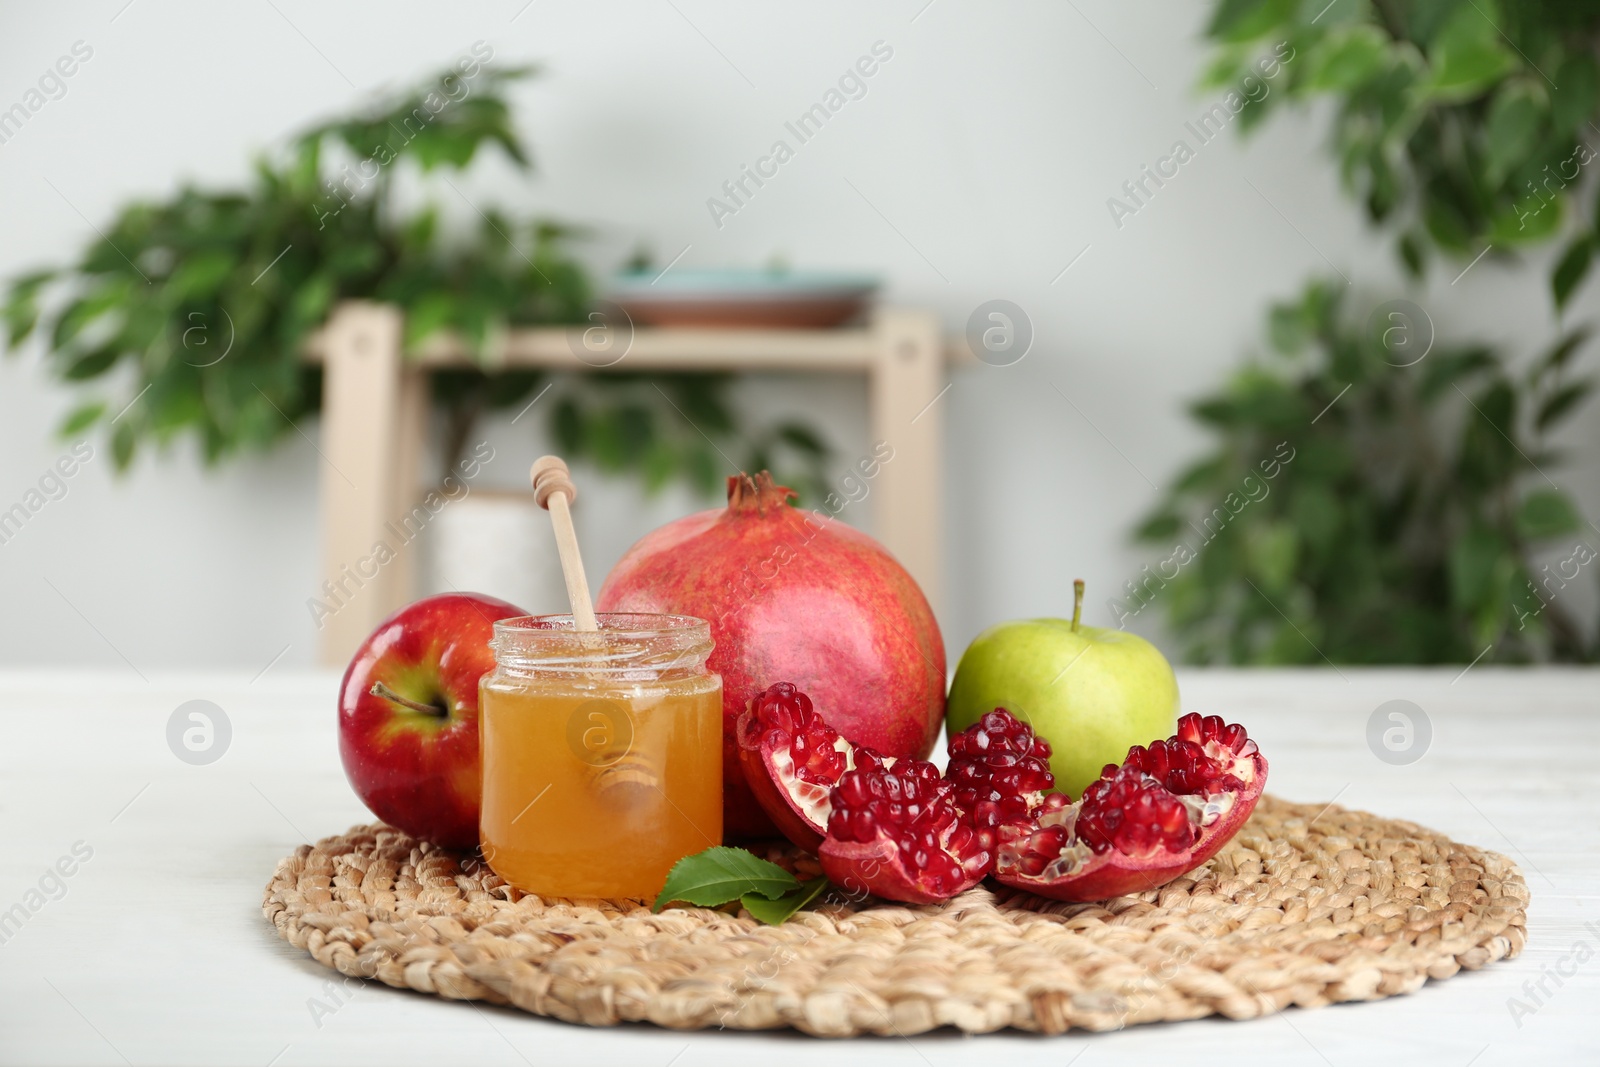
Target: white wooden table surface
154,950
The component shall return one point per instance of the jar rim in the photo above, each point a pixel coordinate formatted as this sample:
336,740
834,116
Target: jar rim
628,644
612,623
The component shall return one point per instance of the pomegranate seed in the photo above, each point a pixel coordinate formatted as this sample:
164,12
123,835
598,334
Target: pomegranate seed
1228,746
1000,731
1134,814
1000,771
1180,766
911,805
784,716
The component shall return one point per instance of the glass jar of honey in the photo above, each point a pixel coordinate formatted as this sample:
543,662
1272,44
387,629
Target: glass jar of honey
602,753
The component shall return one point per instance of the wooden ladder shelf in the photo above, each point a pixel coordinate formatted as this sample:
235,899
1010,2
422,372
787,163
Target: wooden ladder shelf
375,410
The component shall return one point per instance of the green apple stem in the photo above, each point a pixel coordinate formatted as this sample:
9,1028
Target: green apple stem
384,692
1077,602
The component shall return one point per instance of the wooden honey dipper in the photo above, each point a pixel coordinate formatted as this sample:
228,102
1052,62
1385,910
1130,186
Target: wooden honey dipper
553,489
622,774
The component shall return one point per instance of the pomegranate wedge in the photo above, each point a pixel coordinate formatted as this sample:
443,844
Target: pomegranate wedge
1166,810
902,832
896,832
1001,772
793,759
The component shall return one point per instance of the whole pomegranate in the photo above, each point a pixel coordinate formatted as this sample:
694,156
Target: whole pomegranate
794,595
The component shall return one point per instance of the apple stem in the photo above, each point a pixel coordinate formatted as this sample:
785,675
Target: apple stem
1077,602
380,690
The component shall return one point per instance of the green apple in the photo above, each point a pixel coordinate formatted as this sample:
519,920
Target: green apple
1092,693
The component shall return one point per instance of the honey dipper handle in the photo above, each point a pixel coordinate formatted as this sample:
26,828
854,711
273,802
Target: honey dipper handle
553,489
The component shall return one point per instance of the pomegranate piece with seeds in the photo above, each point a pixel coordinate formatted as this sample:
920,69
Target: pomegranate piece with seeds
792,759
1001,773
1166,810
896,832
900,831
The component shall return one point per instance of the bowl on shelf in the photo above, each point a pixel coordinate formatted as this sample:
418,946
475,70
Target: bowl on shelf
747,298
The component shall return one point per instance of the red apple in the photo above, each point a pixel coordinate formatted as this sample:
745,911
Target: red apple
408,716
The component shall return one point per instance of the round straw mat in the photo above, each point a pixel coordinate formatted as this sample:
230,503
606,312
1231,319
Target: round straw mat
1308,905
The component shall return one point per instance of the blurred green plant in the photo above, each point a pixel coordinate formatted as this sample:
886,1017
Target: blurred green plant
197,306
1460,124
1406,525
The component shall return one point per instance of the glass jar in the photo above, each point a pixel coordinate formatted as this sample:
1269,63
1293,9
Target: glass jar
602,753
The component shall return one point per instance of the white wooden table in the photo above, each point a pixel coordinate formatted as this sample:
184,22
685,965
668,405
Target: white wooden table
156,950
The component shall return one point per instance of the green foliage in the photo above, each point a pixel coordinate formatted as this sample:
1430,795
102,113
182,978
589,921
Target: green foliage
1366,512
684,426
1404,528
198,305
774,912
722,875
1459,124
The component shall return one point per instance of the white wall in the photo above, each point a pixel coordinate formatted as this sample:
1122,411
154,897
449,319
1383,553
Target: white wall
991,141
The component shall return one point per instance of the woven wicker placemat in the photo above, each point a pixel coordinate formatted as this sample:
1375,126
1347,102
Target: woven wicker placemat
1308,905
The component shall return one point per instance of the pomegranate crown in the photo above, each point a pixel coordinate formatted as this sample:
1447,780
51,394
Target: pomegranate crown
747,494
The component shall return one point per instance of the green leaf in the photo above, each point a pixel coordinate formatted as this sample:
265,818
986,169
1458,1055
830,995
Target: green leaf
173,403
1347,58
1288,328
701,402
77,315
1273,553
199,275
1444,369
1444,221
1572,268
659,466
1560,353
1467,56
310,303
1498,406
1560,402
81,418
1425,18
1316,514
1158,527
91,364
1257,113
431,313
703,469
1383,187
802,437
774,912
1204,474
569,426
1547,513
1413,253
1529,220
1246,20
22,305
1225,70
1512,128
1473,559
1219,411
123,442
417,232
1577,93
721,874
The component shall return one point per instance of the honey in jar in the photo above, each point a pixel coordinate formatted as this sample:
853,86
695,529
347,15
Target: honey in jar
602,753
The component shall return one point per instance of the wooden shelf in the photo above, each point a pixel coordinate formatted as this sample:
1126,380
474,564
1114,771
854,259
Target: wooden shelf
375,411
843,350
